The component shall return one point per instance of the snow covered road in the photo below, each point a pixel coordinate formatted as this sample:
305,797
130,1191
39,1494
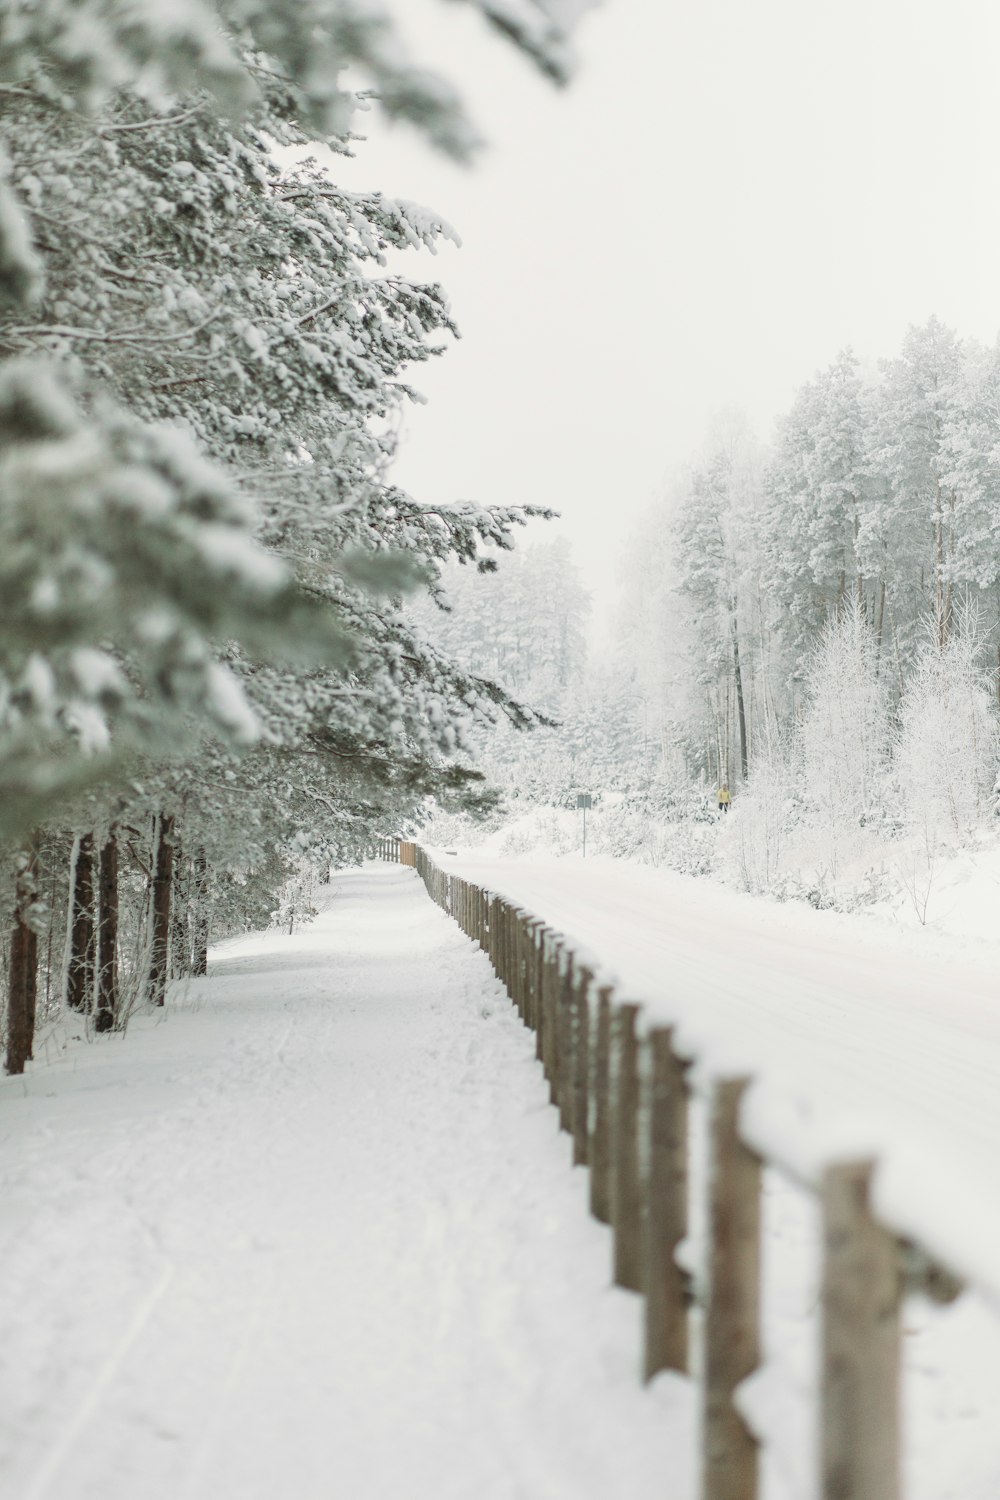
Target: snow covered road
863,1040
314,1234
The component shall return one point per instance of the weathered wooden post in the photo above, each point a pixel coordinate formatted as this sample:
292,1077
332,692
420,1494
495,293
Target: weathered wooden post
530,969
529,929
626,1192
508,955
581,1068
553,967
522,967
666,1211
861,1299
494,943
565,1017
539,961
600,1139
732,1314
501,944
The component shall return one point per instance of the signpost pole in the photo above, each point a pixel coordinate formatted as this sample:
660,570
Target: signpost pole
583,801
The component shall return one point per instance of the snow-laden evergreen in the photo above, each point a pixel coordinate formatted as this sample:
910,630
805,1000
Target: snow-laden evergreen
203,360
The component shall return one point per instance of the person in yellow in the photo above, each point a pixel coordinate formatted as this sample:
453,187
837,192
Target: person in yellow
724,798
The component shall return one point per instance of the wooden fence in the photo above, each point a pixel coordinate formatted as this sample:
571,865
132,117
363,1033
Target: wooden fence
622,1098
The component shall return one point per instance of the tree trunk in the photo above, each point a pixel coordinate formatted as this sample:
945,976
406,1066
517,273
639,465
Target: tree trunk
880,621
199,965
740,705
22,976
163,874
180,940
83,936
107,935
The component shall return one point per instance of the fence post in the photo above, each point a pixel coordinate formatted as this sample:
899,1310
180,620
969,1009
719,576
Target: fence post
553,965
564,1092
494,937
539,961
581,1068
521,964
666,1211
529,931
626,1195
861,1299
732,1316
600,1140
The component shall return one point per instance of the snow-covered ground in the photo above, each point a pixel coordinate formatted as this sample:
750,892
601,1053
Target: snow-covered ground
313,1233
864,1038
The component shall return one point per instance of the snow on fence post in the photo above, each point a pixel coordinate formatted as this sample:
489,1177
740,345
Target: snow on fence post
666,1340
626,1195
581,1068
564,1092
861,1300
600,1139
732,1314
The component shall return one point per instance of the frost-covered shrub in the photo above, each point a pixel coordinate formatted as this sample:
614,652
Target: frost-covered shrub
667,821
844,739
752,837
948,741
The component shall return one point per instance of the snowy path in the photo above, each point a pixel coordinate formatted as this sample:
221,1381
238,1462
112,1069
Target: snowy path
315,1235
863,1040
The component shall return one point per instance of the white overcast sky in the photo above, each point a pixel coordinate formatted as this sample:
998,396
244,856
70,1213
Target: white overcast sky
730,192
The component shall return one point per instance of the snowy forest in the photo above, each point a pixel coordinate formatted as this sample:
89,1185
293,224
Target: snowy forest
497,979
209,687
814,623
235,653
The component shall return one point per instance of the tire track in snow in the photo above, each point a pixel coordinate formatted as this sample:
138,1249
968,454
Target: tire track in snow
88,1406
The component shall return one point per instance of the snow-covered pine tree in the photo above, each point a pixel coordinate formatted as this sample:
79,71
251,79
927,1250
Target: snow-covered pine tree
909,528
718,538
150,249
817,486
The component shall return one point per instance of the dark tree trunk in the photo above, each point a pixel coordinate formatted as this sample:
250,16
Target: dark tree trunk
107,936
180,935
199,963
31,986
740,706
83,935
22,975
163,873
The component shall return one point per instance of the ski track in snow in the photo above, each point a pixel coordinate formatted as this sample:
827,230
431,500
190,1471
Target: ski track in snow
314,1233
